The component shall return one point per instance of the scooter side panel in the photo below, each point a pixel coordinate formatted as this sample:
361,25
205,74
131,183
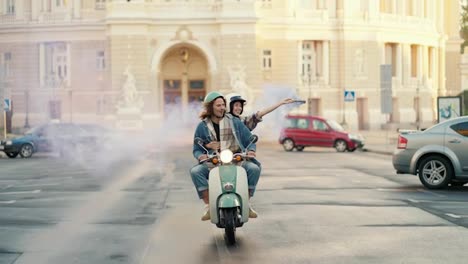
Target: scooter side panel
242,189
214,190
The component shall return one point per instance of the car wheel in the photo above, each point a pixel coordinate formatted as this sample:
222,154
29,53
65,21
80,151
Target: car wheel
12,155
300,148
435,172
26,150
340,145
288,144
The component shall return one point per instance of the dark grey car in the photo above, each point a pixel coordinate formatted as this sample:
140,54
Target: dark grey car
438,155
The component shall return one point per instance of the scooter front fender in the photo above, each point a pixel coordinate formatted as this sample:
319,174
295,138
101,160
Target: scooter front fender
229,200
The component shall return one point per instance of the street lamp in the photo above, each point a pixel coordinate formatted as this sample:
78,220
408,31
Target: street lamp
418,106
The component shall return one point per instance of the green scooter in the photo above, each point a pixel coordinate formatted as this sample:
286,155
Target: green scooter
228,190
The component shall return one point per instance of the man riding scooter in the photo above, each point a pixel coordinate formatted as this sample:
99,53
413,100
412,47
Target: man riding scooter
219,132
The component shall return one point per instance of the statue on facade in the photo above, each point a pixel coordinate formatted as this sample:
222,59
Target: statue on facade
129,97
237,77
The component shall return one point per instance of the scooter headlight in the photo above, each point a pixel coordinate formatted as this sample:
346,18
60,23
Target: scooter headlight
226,156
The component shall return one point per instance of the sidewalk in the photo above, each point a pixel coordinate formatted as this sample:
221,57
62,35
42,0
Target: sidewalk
380,141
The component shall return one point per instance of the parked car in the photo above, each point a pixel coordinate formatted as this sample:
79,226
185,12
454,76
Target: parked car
60,137
300,131
438,155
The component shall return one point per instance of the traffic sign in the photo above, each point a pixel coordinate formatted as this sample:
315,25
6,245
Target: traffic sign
349,96
6,104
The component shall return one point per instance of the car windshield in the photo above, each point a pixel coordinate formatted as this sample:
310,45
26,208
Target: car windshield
335,125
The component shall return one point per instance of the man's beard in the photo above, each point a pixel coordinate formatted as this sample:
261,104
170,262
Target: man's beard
219,116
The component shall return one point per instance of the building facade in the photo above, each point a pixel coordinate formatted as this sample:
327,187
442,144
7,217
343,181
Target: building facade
69,59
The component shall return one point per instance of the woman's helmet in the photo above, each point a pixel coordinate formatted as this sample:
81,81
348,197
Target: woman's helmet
231,99
211,96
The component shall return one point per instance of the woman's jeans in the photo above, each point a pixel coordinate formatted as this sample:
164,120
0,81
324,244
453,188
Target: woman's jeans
200,174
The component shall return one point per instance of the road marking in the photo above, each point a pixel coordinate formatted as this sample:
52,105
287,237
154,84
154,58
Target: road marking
8,202
454,216
35,191
413,201
32,185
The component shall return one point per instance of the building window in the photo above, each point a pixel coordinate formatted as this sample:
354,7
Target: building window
266,60
10,7
56,63
6,64
312,58
100,4
100,60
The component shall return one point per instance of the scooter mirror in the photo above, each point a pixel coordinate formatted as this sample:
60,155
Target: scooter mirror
253,139
198,141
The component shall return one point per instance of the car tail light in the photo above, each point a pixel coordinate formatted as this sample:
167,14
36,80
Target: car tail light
402,142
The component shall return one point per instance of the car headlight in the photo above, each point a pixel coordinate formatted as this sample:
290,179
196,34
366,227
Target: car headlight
356,137
9,142
226,156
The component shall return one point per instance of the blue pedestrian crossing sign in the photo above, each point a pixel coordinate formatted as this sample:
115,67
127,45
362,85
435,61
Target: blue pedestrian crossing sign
349,96
6,104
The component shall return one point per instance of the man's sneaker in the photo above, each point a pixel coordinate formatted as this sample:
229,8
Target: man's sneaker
206,215
252,213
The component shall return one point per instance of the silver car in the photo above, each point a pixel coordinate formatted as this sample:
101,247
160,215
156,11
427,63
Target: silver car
438,155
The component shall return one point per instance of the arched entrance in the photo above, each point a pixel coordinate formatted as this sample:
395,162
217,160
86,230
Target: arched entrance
184,77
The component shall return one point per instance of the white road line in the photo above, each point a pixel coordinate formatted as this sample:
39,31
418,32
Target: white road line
8,202
454,216
32,185
21,192
413,201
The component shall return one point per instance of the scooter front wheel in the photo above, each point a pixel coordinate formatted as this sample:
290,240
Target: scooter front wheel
230,225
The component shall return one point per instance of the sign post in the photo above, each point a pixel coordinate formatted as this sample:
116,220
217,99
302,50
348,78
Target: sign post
349,96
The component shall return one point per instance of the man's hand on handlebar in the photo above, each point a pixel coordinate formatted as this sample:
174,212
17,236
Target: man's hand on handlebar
202,157
251,154
213,145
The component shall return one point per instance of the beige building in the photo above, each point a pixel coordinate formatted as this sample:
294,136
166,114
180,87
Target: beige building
72,59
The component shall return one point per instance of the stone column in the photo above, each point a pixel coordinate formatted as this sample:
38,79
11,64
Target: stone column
35,7
42,66
399,63
76,8
69,72
326,61
331,5
401,7
419,63
425,61
441,63
406,50
19,9
299,64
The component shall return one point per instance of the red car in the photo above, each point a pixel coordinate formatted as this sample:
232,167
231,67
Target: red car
301,131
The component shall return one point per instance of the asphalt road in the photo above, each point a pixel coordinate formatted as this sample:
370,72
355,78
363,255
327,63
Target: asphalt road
316,206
